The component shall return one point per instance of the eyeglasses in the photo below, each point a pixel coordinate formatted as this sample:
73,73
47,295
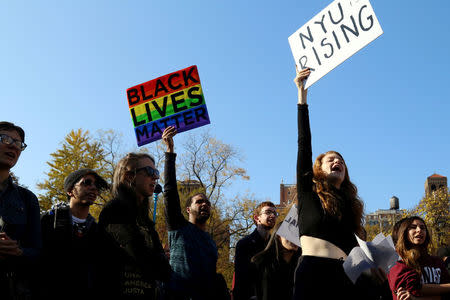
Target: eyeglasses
7,140
149,171
270,212
89,182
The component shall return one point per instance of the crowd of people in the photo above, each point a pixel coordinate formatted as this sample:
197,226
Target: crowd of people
66,254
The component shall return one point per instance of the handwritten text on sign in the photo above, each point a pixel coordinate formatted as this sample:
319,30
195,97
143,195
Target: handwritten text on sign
336,33
175,99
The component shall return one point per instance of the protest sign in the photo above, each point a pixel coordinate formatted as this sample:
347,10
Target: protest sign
289,227
175,99
336,33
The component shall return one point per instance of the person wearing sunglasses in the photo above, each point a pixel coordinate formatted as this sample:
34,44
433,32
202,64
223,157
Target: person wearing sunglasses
138,264
73,241
20,231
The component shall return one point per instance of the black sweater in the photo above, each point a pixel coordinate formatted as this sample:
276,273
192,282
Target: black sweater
313,221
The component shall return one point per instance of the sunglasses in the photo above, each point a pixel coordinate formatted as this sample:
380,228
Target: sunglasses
7,140
89,182
149,171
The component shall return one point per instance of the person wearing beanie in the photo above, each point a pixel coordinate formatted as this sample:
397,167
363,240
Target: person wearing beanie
73,242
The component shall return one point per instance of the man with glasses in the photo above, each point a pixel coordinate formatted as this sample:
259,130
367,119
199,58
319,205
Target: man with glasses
20,233
264,217
72,240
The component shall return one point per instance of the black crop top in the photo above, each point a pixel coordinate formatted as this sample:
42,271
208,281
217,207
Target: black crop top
312,219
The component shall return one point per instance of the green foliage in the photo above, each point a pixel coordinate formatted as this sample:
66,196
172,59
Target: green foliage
77,151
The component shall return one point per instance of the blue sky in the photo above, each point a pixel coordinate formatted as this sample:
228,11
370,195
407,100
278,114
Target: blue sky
67,64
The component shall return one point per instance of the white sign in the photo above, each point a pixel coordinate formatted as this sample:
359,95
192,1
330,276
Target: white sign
336,33
289,227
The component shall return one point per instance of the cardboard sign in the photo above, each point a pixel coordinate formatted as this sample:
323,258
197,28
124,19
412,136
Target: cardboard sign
175,99
289,227
336,33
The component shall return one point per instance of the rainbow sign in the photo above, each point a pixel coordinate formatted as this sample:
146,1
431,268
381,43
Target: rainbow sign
175,99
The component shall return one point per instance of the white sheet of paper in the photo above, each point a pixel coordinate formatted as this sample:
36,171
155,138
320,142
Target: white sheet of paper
366,247
356,263
385,256
332,36
378,238
390,241
289,227
379,253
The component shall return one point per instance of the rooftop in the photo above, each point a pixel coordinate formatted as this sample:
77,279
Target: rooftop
436,176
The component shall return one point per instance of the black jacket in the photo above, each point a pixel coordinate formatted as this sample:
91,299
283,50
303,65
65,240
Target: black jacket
19,214
244,271
71,264
275,277
137,257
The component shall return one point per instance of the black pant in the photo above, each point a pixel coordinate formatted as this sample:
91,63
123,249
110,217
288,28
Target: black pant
322,278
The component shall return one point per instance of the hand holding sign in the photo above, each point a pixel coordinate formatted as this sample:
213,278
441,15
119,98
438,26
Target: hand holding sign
300,82
167,138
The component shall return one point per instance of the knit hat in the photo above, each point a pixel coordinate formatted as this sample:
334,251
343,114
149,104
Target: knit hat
73,178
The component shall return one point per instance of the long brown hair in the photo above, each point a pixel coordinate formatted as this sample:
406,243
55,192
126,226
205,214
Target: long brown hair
331,199
411,254
127,165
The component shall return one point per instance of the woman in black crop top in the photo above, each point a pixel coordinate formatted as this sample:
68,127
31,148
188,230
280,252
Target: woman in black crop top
329,214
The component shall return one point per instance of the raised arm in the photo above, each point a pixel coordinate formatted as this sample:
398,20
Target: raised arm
174,217
304,156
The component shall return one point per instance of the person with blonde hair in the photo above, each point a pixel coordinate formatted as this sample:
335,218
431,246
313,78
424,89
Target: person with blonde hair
329,215
137,260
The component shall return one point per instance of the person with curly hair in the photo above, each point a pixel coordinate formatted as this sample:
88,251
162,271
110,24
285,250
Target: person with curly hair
329,215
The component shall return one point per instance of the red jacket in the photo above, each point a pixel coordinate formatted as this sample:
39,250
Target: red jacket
433,271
